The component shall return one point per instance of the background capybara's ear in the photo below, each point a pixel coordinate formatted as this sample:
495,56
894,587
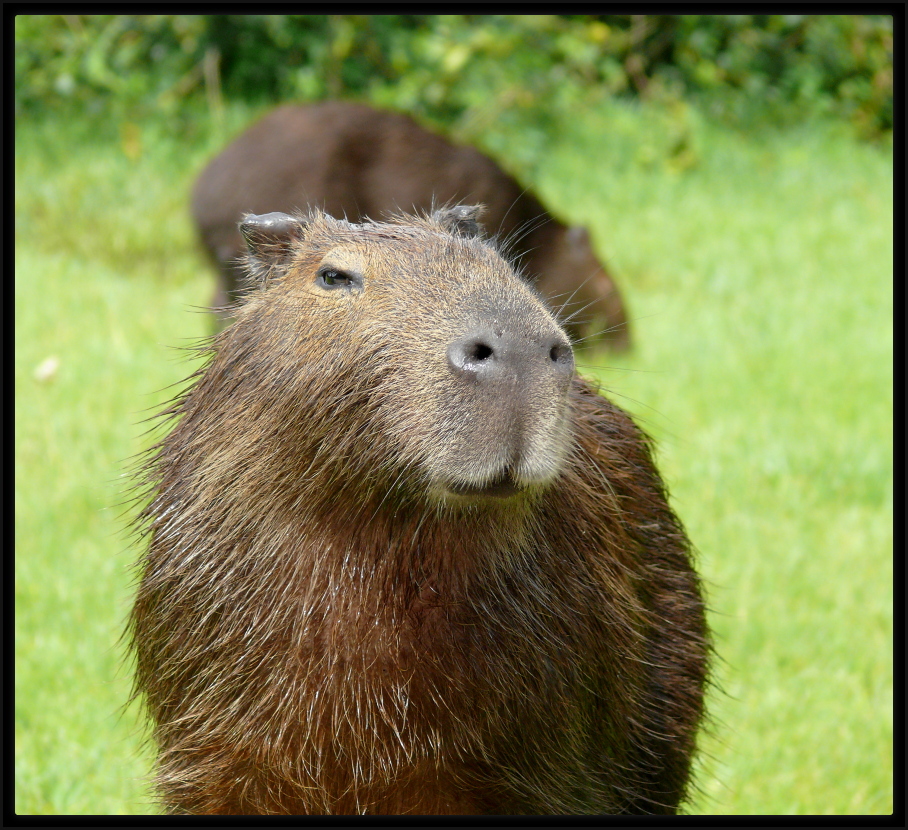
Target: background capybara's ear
269,238
578,235
462,220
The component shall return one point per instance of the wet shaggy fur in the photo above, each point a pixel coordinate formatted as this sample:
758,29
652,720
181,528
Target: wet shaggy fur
335,615
355,161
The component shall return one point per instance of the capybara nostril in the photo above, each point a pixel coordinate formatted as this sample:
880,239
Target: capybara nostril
467,355
562,355
480,351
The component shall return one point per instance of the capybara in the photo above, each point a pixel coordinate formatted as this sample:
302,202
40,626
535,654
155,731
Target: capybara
401,558
355,161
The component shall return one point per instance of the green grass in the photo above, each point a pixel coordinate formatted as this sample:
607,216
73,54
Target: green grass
759,280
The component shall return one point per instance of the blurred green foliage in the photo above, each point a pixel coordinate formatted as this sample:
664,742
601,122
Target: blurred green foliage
98,61
463,72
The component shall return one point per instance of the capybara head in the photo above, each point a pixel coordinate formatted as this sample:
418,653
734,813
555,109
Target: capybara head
401,558
372,315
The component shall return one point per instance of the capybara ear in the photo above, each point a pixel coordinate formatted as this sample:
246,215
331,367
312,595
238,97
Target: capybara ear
578,235
462,220
270,238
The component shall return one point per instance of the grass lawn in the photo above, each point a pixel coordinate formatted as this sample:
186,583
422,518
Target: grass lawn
758,271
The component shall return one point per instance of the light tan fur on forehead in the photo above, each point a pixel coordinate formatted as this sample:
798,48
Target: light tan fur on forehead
399,227
347,258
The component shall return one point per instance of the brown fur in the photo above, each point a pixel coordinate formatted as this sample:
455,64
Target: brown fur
334,616
355,161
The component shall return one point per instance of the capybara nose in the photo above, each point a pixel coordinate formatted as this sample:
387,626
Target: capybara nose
487,356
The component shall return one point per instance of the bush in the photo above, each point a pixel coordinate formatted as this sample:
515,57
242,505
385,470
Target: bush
784,64
465,72
98,61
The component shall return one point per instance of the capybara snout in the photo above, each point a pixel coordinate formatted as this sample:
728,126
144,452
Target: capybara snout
512,372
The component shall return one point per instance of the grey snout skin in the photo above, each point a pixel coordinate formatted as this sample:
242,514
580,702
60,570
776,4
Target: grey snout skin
489,355
517,381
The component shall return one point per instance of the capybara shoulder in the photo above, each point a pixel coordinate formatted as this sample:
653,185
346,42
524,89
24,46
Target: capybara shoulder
355,161
401,558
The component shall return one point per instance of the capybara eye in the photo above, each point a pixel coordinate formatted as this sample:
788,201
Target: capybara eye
329,277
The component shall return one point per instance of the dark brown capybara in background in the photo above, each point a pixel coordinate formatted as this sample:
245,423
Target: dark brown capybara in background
402,559
355,161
